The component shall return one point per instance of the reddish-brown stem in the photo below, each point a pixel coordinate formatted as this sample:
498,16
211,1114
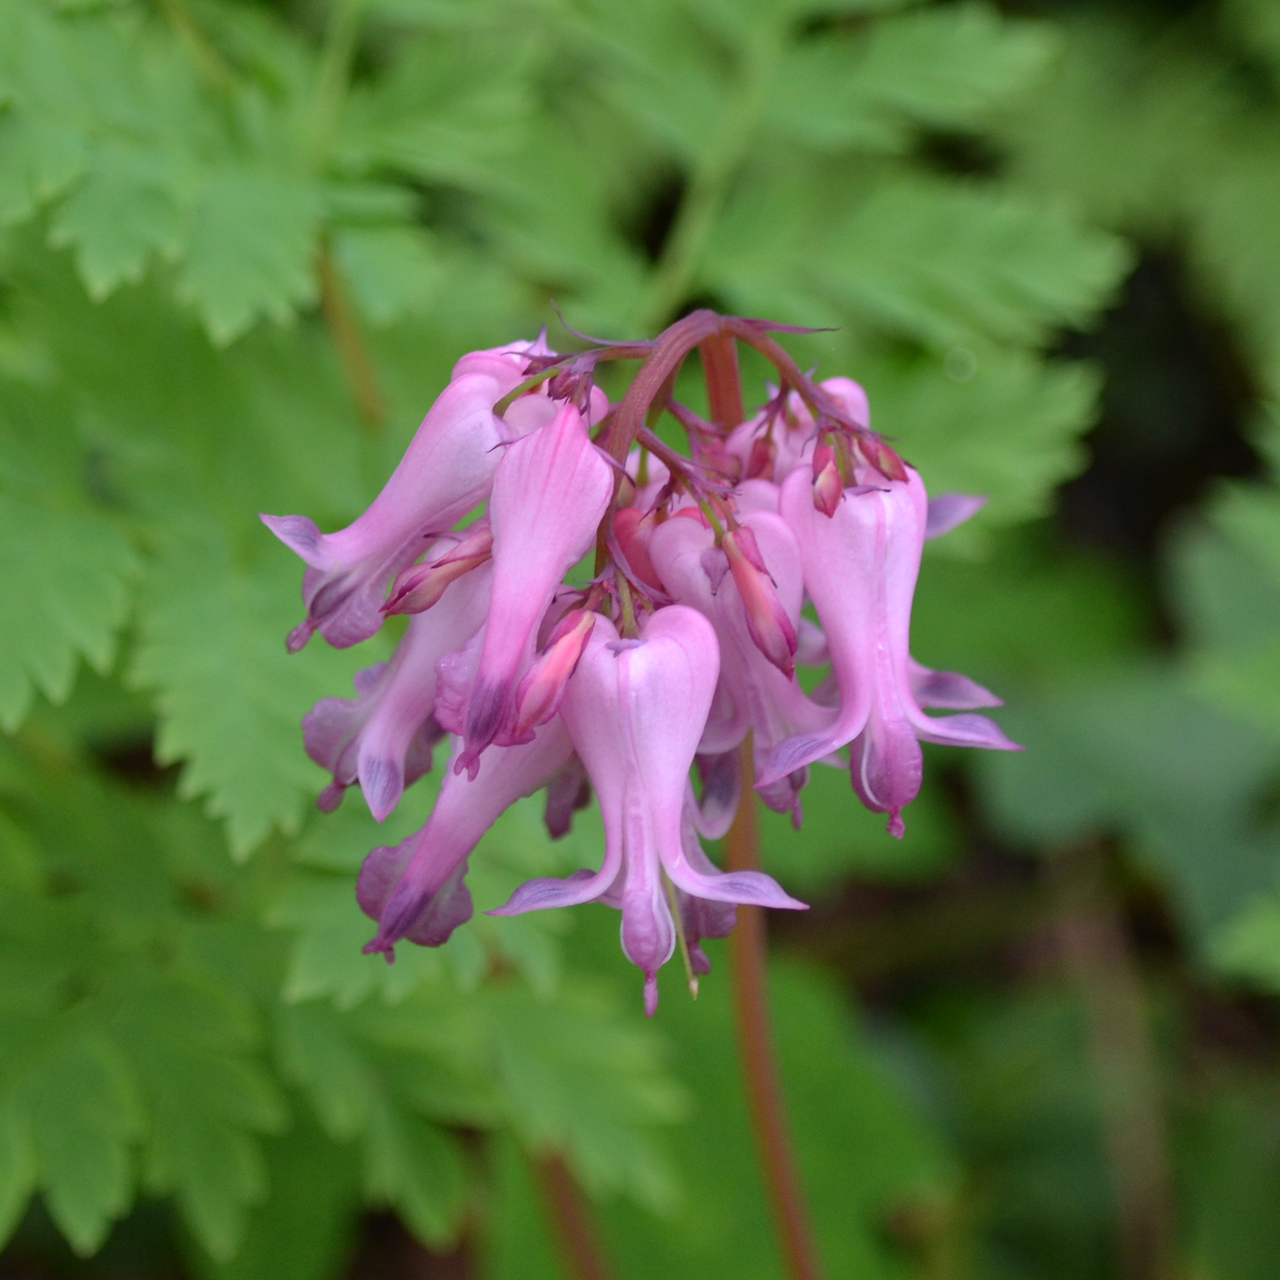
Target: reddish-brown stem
719,355
668,354
571,1221
349,341
755,1049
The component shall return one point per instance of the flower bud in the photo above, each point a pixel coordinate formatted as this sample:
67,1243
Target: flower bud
827,485
760,460
420,586
539,694
767,620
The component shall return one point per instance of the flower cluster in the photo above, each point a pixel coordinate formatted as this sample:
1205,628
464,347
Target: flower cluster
680,647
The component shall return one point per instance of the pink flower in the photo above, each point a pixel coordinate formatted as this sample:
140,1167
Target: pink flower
635,710
414,889
447,468
754,694
384,737
550,493
860,568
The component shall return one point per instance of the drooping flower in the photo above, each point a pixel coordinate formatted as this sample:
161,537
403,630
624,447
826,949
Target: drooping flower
415,889
383,738
549,495
860,566
447,468
635,710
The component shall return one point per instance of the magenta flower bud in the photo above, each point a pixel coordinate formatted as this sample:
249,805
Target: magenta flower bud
540,692
420,586
760,459
550,492
633,529
860,568
827,485
635,710
448,467
772,630
383,738
414,889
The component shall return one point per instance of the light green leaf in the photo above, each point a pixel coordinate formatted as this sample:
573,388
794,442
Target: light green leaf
38,159
84,1115
949,264
211,645
308,1223
123,211
949,65
1134,751
252,250
1248,946
413,1166
943,66
393,271
18,1166
1009,427
208,1099
64,576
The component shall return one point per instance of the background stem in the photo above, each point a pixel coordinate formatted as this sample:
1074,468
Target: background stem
1099,958
571,1220
755,1049
344,329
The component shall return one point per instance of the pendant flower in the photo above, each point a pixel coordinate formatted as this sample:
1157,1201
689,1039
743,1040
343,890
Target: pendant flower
680,642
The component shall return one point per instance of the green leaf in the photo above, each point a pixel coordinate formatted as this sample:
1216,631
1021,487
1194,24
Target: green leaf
413,1166
211,645
208,1099
950,65
841,838
394,271
1133,750
579,1078
450,109
948,264
65,569
252,250
981,420
84,1116
1248,945
307,1224
37,160
122,213
366,1084
17,1167
943,66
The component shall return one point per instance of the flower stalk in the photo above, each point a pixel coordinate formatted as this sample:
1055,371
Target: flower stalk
747,968
747,943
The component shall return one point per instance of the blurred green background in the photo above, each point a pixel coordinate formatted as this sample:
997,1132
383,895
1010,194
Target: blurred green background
241,246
